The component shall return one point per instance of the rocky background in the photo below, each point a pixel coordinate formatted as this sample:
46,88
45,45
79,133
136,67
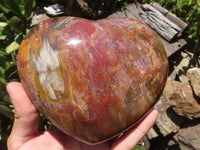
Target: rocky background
178,124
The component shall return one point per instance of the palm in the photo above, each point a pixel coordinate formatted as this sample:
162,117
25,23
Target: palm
48,140
25,134
56,140
41,142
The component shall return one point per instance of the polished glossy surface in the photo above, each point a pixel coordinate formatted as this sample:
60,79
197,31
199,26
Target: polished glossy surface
92,79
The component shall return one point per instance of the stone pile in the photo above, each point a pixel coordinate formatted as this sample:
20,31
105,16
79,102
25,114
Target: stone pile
178,124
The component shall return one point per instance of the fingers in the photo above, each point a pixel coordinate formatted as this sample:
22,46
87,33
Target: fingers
130,140
26,116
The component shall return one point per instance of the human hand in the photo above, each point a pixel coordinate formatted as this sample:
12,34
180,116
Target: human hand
25,134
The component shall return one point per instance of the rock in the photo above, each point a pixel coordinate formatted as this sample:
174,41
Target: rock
145,143
194,76
189,136
183,66
54,10
84,79
37,18
183,63
152,134
184,103
173,144
168,121
170,87
164,143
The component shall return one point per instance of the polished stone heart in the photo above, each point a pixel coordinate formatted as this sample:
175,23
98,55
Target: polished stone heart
92,79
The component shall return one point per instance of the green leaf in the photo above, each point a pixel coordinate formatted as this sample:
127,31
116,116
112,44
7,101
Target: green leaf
181,3
11,73
2,52
2,80
19,38
3,37
3,24
2,57
198,10
189,2
16,24
3,17
13,6
4,9
22,9
138,148
2,77
12,47
29,6
5,111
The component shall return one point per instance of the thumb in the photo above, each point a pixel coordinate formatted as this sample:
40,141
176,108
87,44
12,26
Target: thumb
26,115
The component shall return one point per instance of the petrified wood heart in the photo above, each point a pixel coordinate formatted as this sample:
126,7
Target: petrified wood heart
92,79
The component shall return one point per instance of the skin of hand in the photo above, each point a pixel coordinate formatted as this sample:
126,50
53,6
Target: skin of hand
25,134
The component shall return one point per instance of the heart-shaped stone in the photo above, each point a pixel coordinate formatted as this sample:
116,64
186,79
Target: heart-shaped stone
92,79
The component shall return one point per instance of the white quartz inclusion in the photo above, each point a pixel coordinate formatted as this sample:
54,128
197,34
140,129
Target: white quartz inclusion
47,66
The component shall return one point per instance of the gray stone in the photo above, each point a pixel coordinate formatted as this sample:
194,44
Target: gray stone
189,136
184,62
183,66
173,144
168,121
